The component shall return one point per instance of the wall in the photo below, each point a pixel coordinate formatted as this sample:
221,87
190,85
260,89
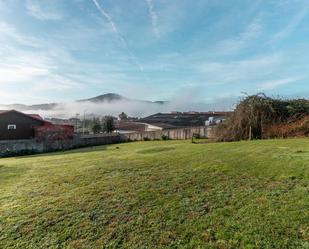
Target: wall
180,133
15,147
92,140
31,146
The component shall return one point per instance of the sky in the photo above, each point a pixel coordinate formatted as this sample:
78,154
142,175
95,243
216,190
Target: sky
206,50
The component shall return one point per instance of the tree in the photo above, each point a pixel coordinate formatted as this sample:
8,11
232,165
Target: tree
96,128
95,125
123,116
108,124
256,112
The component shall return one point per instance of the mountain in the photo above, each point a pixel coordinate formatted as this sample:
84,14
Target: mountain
114,97
108,97
104,98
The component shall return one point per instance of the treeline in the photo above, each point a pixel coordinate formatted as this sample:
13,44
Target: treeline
259,116
96,125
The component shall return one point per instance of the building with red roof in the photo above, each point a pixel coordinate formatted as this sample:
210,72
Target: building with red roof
15,125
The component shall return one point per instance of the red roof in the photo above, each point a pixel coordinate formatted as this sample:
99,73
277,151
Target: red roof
35,116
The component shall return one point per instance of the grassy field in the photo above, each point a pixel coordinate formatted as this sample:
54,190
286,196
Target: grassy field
165,194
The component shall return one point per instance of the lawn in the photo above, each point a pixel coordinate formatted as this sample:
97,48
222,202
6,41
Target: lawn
162,194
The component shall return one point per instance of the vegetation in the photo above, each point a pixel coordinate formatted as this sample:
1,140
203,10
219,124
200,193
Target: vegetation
97,127
257,113
123,116
108,124
298,128
162,194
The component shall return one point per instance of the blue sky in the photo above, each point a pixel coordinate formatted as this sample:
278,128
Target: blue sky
55,50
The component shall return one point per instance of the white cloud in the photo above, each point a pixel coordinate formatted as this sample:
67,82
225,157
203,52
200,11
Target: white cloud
239,71
55,82
119,35
45,11
19,73
292,25
272,84
9,97
110,20
36,69
244,39
9,32
153,16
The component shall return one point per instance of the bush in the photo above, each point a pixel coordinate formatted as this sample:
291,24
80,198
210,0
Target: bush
165,137
196,135
10,153
255,113
298,128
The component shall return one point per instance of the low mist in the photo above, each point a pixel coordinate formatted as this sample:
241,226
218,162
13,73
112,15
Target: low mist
133,108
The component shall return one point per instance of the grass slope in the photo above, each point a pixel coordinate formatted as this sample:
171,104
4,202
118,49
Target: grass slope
170,194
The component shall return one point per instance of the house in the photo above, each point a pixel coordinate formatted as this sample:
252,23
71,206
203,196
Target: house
215,120
172,120
182,119
15,125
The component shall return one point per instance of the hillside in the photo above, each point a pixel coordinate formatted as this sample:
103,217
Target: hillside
164,194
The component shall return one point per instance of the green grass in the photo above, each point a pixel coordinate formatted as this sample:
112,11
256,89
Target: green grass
164,194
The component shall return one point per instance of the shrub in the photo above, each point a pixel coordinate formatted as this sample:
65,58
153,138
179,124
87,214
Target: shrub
196,135
10,153
298,128
165,137
255,113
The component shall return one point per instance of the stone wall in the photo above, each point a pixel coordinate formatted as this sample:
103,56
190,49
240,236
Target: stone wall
23,147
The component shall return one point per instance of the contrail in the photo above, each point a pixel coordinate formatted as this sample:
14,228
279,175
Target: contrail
153,16
116,31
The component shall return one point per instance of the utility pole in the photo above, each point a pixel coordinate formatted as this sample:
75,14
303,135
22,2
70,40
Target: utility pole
250,132
84,122
76,123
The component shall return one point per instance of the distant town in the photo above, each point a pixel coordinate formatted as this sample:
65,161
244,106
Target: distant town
16,125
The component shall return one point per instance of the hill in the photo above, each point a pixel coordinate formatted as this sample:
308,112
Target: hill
109,97
163,194
104,98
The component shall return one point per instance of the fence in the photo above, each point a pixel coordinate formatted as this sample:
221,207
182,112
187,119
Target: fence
19,147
